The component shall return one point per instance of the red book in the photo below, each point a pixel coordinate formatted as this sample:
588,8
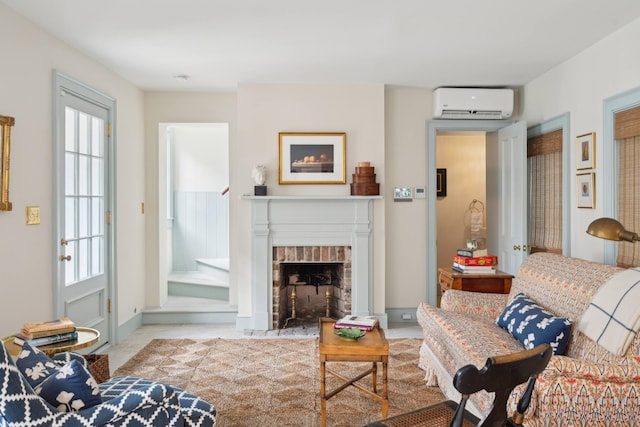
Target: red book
489,260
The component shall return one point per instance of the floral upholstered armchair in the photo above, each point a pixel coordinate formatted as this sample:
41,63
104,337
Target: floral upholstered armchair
119,401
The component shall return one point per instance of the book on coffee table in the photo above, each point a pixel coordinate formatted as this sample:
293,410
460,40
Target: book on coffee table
365,323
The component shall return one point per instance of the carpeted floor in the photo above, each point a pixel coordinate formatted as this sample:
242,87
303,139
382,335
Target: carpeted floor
275,381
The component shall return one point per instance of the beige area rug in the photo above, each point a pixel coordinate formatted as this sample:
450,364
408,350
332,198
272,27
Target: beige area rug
275,381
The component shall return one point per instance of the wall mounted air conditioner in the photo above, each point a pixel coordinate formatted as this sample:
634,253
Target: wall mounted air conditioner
472,103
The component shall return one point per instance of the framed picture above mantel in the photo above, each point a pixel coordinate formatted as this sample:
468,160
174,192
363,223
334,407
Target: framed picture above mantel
312,158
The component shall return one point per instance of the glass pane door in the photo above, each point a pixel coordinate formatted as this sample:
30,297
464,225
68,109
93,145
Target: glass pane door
84,196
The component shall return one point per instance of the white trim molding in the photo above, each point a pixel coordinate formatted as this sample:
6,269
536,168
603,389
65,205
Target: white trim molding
310,221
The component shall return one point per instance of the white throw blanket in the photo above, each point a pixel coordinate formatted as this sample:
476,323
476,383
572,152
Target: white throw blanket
613,316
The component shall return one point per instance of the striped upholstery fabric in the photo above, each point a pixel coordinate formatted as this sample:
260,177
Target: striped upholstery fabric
589,386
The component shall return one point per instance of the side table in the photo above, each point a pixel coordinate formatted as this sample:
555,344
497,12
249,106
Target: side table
497,283
373,347
86,338
98,363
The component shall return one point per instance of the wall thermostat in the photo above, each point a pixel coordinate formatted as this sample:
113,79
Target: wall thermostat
419,193
402,194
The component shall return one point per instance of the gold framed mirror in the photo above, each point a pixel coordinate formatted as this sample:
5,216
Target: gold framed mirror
5,149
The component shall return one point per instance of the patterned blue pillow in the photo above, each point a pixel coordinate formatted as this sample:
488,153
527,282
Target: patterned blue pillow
532,325
70,388
35,365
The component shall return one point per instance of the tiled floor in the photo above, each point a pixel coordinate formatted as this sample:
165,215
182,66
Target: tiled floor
121,352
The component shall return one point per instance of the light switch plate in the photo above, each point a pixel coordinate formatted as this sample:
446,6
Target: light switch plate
33,215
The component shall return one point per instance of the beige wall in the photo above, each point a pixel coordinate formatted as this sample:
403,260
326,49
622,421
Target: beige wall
27,253
406,111
384,126
367,113
266,109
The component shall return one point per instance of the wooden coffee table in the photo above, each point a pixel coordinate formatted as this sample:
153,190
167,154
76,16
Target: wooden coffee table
373,347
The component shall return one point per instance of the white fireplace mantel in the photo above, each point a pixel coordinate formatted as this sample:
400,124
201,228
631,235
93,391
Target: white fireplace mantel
310,221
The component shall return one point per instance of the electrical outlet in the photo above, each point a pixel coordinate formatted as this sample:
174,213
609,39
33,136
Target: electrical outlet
406,316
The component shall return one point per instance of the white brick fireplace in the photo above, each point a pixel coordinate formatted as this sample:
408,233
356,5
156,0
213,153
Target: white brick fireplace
299,221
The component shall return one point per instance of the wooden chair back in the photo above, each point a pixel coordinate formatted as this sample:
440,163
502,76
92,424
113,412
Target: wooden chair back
500,375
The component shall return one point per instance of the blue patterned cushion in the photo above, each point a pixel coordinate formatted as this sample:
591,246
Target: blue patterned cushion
35,365
532,325
155,405
196,412
70,388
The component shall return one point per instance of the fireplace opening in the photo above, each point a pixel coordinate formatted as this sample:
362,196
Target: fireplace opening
310,282
309,291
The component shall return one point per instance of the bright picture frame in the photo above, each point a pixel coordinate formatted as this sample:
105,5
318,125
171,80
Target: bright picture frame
585,190
586,151
6,123
312,158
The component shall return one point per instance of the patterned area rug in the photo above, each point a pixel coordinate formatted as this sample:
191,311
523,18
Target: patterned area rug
275,381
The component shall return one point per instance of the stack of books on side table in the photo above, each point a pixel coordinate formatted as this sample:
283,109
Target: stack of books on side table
364,323
45,333
474,261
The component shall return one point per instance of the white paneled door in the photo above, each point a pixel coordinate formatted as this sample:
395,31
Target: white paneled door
513,246
83,212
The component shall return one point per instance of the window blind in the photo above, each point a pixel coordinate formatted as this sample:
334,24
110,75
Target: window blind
627,135
544,154
627,123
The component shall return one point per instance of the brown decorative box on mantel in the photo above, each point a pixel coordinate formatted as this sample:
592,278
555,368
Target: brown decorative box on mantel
364,181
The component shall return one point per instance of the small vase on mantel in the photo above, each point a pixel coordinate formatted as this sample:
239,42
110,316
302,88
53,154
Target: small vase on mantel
364,181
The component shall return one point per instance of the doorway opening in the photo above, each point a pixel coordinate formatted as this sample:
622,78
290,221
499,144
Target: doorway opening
506,205
462,212
196,174
503,143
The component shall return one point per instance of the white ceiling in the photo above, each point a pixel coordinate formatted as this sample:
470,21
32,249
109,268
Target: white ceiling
421,43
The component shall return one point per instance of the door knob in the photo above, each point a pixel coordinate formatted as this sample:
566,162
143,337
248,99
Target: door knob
63,242
516,247
65,258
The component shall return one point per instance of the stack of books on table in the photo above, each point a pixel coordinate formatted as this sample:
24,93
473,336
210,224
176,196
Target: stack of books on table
364,323
45,333
474,261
